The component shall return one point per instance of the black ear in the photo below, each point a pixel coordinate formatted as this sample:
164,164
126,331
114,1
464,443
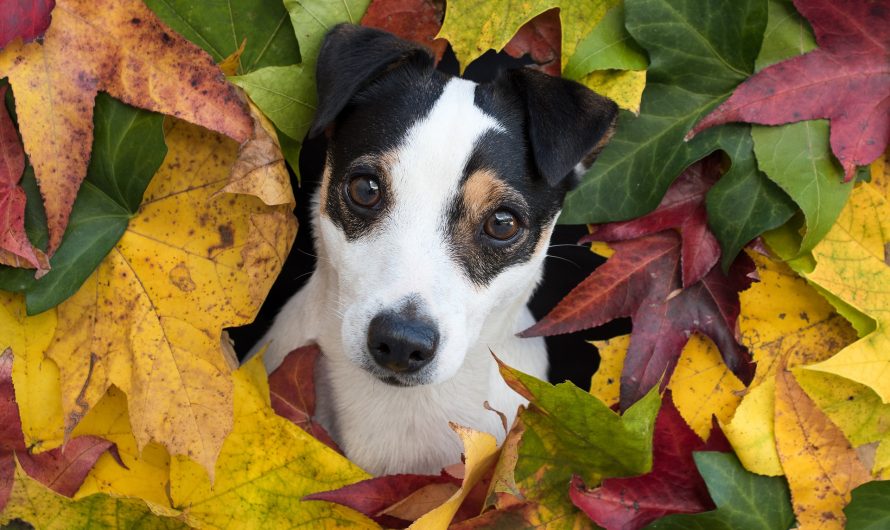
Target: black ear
567,122
350,58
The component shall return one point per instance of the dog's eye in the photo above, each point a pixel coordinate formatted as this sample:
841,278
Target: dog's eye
364,191
501,225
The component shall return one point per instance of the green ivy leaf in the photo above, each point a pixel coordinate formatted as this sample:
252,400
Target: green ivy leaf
743,499
219,26
568,431
608,46
869,510
785,30
699,51
128,148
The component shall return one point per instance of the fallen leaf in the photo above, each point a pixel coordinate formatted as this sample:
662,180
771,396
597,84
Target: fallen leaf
526,516
642,281
480,455
15,248
605,381
566,431
145,321
720,45
624,87
681,208
850,264
752,430
607,47
292,390
46,510
415,20
63,469
821,466
539,38
845,80
868,509
744,500
24,19
673,486
265,468
373,496
422,501
473,28
134,58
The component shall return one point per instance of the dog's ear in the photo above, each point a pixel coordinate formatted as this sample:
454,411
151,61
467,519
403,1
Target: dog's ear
350,58
568,124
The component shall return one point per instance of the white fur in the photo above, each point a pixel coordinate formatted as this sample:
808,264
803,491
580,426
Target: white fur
388,429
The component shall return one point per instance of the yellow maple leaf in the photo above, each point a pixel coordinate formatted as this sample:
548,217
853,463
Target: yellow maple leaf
821,466
120,47
480,453
149,319
850,264
752,431
473,27
45,509
606,381
266,466
624,87
34,377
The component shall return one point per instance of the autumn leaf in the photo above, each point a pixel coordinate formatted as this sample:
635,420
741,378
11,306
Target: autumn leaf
820,465
845,81
607,47
850,264
38,505
134,58
63,469
265,468
150,316
374,496
539,38
743,499
682,208
868,509
673,485
642,281
752,430
415,20
473,28
292,390
24,19
698,51
15,248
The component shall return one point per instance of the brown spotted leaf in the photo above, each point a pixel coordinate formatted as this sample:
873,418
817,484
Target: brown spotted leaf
116,46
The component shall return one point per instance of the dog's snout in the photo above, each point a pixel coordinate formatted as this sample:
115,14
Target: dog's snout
400,343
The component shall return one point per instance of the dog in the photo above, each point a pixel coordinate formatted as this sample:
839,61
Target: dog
431,225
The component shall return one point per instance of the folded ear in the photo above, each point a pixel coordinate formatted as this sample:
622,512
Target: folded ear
351,57
568,124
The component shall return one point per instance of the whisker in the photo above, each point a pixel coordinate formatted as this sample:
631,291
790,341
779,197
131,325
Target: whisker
564,259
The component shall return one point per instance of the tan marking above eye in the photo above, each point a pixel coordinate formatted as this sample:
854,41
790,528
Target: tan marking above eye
481,191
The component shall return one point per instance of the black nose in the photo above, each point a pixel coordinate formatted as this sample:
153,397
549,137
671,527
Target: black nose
400,343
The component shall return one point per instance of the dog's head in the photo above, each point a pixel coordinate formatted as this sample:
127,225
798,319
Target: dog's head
439,196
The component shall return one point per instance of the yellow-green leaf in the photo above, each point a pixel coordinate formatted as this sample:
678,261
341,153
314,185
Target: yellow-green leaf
266,466
752,431
625,87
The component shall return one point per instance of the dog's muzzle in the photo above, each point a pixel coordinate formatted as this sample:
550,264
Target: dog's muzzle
401,344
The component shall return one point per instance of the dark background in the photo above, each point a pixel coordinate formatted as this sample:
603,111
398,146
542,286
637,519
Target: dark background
567,264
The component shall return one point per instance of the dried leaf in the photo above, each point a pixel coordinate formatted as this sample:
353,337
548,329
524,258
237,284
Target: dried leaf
24,19
414,20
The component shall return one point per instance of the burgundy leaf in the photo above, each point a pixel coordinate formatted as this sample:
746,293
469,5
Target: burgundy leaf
541,39
683,208
15,248
415,20
373,496
27,19
846,80
292,392
673,486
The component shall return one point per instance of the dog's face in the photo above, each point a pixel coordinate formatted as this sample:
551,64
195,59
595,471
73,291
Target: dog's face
438,199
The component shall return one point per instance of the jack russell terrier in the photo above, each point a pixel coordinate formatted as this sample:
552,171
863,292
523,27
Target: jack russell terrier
431,226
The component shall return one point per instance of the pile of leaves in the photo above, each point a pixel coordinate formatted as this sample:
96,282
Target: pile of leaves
743,206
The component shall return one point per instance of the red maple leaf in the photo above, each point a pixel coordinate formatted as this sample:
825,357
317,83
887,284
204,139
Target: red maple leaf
415,20
683,208
25,19
63,469
540,38
292,392
673,486
15,248
642,281
846,80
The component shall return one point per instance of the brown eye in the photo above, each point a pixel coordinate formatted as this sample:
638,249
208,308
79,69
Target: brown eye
501,225
364,191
